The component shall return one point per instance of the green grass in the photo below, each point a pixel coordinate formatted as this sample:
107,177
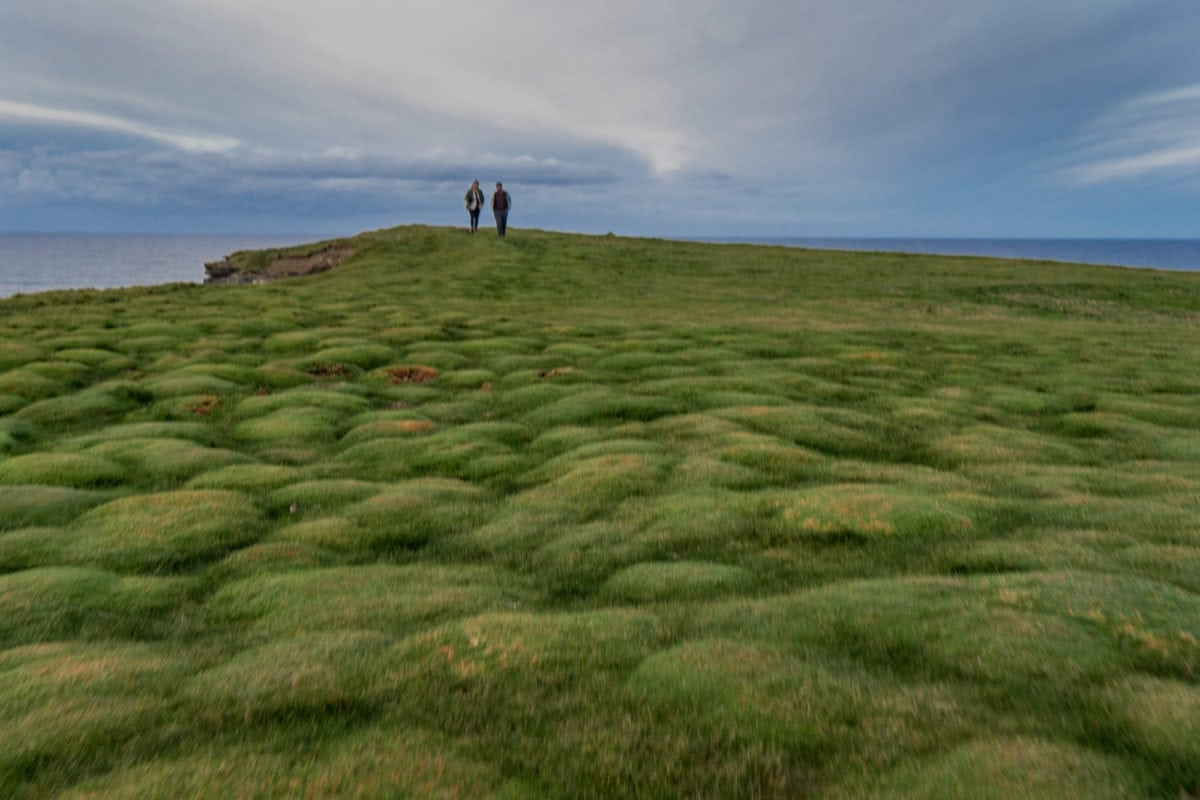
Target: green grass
164,531
60,469
572,516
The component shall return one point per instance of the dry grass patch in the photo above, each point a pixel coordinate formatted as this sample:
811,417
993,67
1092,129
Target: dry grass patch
867,511
1154,624
380,428
411,374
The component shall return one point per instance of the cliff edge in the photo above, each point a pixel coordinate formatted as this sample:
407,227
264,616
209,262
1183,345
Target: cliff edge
263,266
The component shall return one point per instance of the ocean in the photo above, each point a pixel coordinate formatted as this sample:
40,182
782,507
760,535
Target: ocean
1172,254
36,262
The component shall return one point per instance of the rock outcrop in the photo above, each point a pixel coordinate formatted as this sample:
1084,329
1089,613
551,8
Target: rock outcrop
263,267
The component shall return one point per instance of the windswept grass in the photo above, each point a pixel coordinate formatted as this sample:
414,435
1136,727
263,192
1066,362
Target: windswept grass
23,506
165,531
593,517
61,469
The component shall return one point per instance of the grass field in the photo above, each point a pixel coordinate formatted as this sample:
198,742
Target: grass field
591,517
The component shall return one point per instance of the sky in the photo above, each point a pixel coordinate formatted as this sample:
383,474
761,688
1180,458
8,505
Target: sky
677,118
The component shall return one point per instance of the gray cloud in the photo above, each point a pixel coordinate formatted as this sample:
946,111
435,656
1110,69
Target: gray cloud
870,104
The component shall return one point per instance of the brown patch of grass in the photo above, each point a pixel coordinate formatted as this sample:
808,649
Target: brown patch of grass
412,374
206,406
405,425
330,371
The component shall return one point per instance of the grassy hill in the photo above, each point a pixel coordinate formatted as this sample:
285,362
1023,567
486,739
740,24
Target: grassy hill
569,516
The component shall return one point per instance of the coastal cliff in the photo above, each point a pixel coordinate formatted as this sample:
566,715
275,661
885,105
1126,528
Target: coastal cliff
263,266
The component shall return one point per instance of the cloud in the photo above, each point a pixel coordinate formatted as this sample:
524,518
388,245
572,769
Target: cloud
810,109
341,164
194,143
1156,136
331,187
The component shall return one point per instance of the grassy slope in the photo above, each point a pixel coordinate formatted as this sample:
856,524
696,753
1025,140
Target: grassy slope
671,520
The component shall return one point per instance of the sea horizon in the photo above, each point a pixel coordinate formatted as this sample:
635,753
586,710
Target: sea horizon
46,261
1169,253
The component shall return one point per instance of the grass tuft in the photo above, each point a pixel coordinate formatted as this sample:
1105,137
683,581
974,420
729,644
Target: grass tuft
61,469
676,580
25,506
164,532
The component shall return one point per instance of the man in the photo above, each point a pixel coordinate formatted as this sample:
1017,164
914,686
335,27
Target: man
501,203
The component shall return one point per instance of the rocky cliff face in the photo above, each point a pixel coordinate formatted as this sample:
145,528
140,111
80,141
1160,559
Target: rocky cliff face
263,268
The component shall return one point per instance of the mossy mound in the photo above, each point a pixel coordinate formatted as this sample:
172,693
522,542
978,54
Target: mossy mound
993,769
246,477
26,506
388,599
59,603
868,511
385,761
675,580
61,469
167,459
321,673
166,531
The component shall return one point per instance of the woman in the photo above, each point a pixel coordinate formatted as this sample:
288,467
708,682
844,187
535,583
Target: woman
474,200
